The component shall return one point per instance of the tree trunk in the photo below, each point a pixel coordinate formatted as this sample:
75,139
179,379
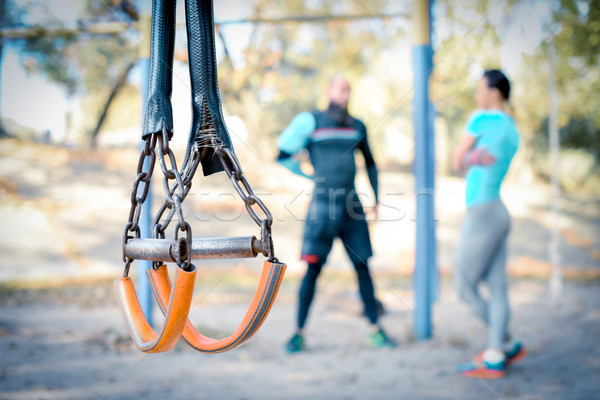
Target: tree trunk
113,94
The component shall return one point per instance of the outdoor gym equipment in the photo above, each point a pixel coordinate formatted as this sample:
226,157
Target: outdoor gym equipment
209,144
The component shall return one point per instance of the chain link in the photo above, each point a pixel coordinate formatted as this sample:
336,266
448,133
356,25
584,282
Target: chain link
183,245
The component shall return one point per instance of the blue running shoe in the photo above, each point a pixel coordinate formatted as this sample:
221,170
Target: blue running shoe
479,368
295,344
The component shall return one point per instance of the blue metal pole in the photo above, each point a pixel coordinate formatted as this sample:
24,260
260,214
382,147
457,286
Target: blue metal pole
433,266
143,285
425,273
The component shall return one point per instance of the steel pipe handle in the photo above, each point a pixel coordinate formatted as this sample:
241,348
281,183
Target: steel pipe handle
202,248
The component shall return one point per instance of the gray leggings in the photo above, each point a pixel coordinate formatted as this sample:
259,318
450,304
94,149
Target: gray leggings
481,257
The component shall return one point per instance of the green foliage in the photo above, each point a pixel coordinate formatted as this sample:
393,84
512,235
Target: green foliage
85,65
81,63
472,40
468,45
580,33
101,60
48,56
126,109
287,66
577,76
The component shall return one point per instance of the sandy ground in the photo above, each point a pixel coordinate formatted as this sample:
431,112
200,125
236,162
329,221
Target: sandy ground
62,336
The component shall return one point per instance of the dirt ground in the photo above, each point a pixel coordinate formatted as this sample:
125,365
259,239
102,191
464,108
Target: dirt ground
62,335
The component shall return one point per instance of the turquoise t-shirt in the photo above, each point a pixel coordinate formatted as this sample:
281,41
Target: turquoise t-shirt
494,131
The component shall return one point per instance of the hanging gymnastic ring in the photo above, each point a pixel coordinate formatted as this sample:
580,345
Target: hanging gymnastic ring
270,281
176,313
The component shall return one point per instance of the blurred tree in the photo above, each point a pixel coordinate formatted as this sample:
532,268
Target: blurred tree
285,69
577,43
286,66
580,29
468,45
578,74
114,91
470,42
85,65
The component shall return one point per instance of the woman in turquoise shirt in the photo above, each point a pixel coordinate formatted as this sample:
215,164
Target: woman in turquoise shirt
486,151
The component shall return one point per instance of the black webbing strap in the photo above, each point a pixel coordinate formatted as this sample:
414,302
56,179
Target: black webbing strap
205,88
160,78
203,76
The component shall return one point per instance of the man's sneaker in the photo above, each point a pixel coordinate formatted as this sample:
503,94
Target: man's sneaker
516,354
295,344
479,368
379,339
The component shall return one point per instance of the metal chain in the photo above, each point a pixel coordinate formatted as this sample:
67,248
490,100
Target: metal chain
160,228
158,145
234,171
175,194
139,193
207,138
177,188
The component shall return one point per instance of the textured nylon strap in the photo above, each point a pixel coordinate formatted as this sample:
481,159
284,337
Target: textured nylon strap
160,79
176,310
270,280
203,76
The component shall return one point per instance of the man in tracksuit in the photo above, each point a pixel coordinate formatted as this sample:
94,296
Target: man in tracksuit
331,137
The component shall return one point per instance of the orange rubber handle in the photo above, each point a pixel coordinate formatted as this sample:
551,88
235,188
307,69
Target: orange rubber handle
270,280
177,310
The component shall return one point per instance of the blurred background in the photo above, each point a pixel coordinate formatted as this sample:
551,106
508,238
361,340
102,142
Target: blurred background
70,125
73,63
